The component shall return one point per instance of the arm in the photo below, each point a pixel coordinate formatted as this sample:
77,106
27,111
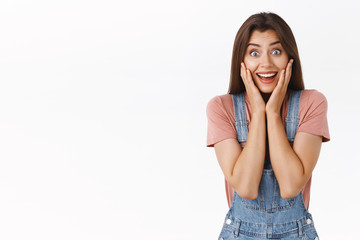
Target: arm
243,168
292,166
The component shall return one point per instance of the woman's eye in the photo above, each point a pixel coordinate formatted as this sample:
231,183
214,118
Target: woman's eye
277,52
254,53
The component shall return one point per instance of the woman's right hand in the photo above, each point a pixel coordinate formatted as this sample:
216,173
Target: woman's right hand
256,100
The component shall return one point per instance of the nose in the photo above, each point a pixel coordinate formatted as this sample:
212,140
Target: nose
265,60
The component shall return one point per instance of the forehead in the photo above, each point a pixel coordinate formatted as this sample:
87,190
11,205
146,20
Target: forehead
268,36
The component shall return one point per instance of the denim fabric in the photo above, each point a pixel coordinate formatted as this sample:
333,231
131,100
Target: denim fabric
269,216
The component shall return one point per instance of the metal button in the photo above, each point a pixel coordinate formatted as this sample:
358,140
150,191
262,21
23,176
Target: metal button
221,238
228,221
316,238
308,221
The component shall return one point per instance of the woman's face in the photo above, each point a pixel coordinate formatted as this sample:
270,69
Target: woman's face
265,58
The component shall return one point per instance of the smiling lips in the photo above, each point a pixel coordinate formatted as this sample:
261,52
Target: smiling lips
267,77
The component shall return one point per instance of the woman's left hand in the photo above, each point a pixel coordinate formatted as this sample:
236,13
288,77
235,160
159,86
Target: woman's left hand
276,99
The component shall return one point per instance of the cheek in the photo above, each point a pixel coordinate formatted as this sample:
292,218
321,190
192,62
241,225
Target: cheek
251,65
282,63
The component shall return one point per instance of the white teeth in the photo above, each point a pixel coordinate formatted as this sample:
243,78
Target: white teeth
267,75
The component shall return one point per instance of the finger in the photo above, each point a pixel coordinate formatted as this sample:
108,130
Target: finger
278,88
288,71
249,77
243,72
282,77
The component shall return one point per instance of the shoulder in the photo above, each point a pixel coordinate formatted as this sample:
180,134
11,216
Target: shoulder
313,114
220,102
221,121
312,94
312,97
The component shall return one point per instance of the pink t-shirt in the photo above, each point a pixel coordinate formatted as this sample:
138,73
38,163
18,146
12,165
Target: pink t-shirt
313,120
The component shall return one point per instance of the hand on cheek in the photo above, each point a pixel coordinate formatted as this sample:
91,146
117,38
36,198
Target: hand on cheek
277,96
256,101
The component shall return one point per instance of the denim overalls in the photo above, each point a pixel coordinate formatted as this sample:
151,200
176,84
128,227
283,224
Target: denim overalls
269,216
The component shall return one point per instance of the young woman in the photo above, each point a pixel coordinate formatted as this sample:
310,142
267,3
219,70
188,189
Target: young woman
267,134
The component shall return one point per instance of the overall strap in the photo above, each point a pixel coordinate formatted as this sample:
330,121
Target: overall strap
292,118
241,123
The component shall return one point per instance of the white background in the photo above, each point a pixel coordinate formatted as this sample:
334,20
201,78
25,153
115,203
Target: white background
103,123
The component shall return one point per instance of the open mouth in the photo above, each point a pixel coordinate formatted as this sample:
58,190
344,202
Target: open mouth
267,78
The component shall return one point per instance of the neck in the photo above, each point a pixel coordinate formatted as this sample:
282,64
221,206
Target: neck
266,96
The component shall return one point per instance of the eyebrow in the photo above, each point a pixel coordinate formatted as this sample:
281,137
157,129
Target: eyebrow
257,45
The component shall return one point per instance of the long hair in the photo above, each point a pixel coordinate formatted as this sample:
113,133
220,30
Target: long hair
264,21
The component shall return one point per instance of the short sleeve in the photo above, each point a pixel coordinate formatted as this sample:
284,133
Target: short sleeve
220,121
313,114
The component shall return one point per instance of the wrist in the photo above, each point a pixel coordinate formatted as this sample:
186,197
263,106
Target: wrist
258,113
273,115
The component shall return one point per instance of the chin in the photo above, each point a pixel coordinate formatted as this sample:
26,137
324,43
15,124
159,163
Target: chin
266,89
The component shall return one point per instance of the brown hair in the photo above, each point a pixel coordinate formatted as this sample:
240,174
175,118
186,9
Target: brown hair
264,21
